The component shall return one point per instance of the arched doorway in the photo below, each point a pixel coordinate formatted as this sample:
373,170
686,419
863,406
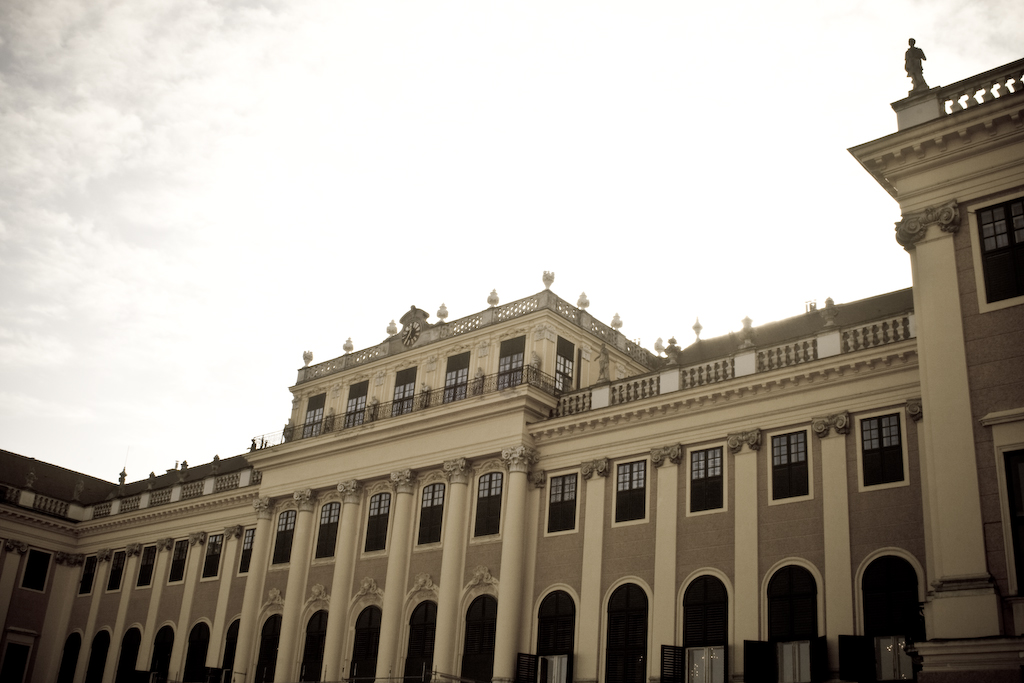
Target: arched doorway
69,659
195,660
364,647
419,658
129,654
705,632
162,646
556,627
270,637
478,650
230,644
313,650
793,620
626,651
97,658
892,614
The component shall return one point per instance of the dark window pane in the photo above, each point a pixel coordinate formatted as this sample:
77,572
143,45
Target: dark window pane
431,514
37,566
562,503
88,575
377,523
178,557
630,495
328,535
789,465
116,571
882,456
314,415
214,545
355,408
456,378
285,533
247,540
488,504
146,566
564,354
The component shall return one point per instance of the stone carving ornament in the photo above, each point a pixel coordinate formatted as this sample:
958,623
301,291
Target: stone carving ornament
20,547
482,576
914,409
197,537
674,453
133,549
69,559
752,439
274,596
839,422
456,471
403,481
261,506
369,587
350,490
912,228
103,555
233,531
518,458
592,467
423,582
164,543
318,594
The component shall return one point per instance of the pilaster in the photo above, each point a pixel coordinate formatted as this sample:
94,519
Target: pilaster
666,515
99,580
13,552
341,581
453,562
595,473
391,623
298,568
744,449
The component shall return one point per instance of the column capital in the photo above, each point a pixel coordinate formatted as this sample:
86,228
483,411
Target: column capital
69,559
592,467
197,537
133,549
518,458
304,499
102,555
403,481
20,547
674,453
836,424
262,507
351,491
164,543
233,531
751,438
914,409
913,227
456,471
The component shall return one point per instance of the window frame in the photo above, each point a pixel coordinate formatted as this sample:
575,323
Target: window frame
616,522
314,420
898,410
690,512
549,490
284,534
355,404
25,570
428,518
91,575
143,565
770,438
565,365
332,509
493,509
177,562
379,537
404,394
456,379
212,540
972,209
511,359
245,554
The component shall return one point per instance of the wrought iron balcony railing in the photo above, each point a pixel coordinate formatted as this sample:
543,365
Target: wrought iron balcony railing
374,412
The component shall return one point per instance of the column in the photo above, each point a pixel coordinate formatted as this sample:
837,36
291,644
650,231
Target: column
197,544
14,550
253,597
131,563
587,662
403,482
453,562
228,551
341,582
839,587
744,448
298,568
538,486
163,553
962,602
62,597
666,461
517,460
99,582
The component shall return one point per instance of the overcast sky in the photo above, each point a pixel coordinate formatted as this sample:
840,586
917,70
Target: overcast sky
192,193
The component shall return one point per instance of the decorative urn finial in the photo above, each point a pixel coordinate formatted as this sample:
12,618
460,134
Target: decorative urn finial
307,357
492,298
697,327
616,322
442,312
348,347
659,346
549,277
392,329
583,301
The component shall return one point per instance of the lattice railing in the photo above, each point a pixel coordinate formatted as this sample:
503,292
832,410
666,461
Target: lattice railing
101,509
131,503
226,482
192,489
160,497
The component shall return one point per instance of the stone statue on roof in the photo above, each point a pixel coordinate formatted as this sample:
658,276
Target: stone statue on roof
915,70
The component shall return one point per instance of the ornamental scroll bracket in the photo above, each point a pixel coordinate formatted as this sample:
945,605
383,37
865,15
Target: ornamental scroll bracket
914,409
751,439
592,467
912,228
839,423
673,453
539,478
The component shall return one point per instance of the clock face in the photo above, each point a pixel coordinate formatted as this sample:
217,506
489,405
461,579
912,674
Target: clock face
412,333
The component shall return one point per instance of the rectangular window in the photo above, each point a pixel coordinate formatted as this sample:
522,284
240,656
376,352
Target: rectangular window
705,665
1002,249
431,514
706,481
178,557
883,449
214,547
116,571
488,504
355,409
327,539
510,362
247,540
631,491
88,575
562,503
314,416
564,353
377,523
456,378
37,566
405,387
794,661
146,566
285,533
789,465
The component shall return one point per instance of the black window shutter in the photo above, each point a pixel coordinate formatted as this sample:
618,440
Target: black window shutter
759,664
819,660
673,664
857,658
526,668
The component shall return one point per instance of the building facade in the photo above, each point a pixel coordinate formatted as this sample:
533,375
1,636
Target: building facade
524,494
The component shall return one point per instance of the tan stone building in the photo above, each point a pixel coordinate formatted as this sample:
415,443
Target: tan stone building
525,494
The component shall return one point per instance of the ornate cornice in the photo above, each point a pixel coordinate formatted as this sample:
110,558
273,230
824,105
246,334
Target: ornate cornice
351,491
403,481
914,409
304,500
197,537
674,453
20,547
838,423
133,549
456,471
518,458
538,478
751,439
913,227
592,467
262,507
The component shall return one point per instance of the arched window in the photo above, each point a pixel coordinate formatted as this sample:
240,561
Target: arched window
195,660
478,652
69,660
162,646
891,614
626,651
230,644
366,642
793,621
313,651
419,659
705,633
129,653
270,637
556,626
97,657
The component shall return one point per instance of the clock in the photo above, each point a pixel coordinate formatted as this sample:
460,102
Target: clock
412,333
